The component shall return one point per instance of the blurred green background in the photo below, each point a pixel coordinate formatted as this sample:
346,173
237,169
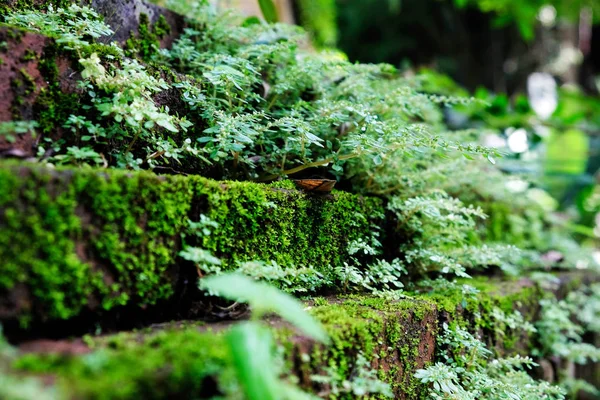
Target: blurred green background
535,62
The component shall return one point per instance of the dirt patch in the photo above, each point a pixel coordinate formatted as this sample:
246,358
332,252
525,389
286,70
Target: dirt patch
15,301
24,61
65,347
20,84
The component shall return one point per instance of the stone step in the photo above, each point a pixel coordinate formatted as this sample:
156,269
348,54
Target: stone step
190,360
78,242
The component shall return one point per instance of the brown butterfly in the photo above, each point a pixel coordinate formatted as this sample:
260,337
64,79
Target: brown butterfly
315,185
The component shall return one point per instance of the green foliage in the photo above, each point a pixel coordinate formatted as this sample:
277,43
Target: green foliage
10,130
166,364
269,10
524,13
438,232
263,298
249,102
72,27
251,347
244,117
318,17
563,323
291,280
364,381
561,327
251,343
467,372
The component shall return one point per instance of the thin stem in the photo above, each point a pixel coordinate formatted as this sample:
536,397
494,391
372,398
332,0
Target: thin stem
284,156
236,156
272,102
137,135
302,167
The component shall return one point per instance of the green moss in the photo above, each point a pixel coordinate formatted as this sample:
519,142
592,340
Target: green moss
147,41
84,237
181,362
162,27
38,247
166,365
23,85
520,227
9,6
53,105
29,55
290,227
11,34
103,51
395,336
477,313
27,81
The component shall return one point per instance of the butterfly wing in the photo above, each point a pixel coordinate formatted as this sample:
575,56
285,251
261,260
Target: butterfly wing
315,185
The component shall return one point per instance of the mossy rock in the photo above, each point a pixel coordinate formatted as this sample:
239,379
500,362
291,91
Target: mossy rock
76,240
191,360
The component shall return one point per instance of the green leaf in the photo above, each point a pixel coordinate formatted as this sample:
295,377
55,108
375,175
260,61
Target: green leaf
291,392
251,21
269,11
377,160
264,298
526,28
198,255
251,349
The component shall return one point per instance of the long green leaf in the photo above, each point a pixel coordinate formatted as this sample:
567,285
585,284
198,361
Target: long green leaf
264,298
269,11
251,349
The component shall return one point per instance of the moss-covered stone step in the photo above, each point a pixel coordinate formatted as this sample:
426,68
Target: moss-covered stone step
190,359
75,240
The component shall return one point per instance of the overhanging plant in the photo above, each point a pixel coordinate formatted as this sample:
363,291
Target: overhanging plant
251,343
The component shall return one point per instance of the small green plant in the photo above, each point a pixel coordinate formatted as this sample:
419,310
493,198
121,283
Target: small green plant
256,109
563,323
467,372
204,260
380,276
364,381
10,130
73,27
251,343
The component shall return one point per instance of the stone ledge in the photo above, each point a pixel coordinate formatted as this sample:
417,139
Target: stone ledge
80,240
190,360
